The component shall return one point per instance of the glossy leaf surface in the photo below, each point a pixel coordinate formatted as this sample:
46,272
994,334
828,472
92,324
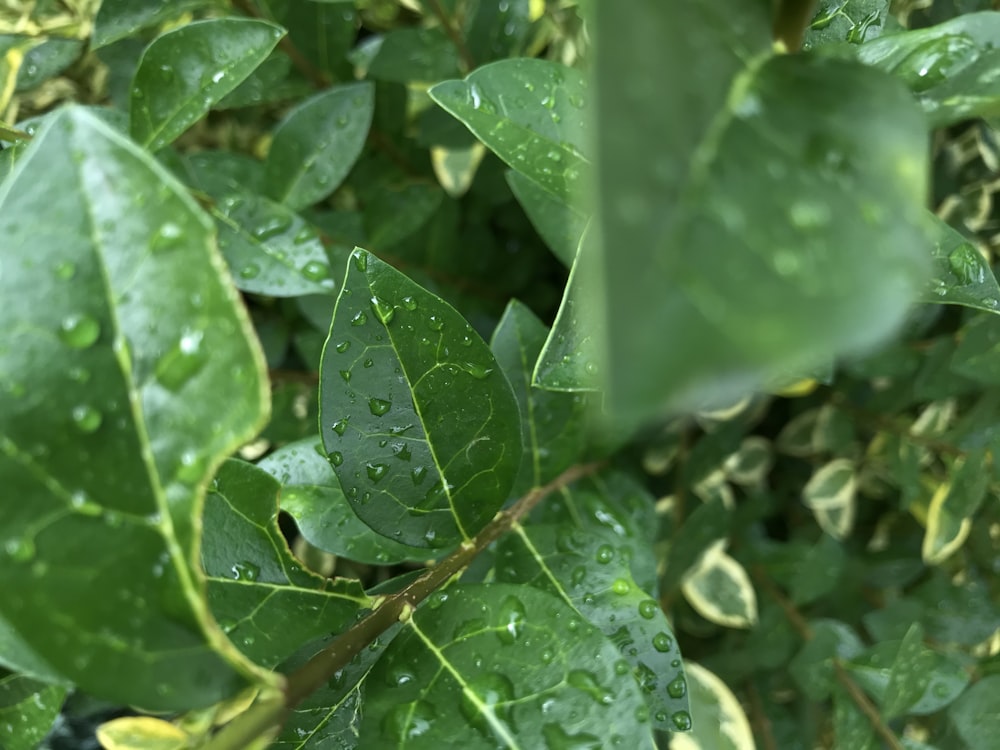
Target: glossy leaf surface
137,299
28,708
719,722
260,594
318,142
185,71
419,421
117,19
962,276
311,494
803,178
502,665
559,224
530,113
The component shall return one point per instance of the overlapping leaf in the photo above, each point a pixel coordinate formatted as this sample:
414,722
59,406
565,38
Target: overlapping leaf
501,665
719,589
117,19
962,276
28,708
419,422
559,224
719,721
99,577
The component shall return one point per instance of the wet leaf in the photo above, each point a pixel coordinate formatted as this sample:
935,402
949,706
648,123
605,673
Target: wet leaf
28,708
137,299
497,664
559,224
719,722
852,21
118,19
183,72
962,276
263,599
317,143
420,424
910,674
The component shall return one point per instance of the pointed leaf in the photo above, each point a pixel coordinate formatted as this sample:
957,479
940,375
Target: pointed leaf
317,143
910,674
812,668
719,589
143,336
853,21
262,597
405,55
185,71
962,276
949,517
719,722
500,665
975,716
117,19
590,572
529,113
552,424
311,494
830,494
419,421
559,224
142,733
780,218
28,709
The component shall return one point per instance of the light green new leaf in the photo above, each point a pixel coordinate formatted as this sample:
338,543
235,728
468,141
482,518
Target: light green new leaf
317,143
150,377
559,224
118,19
718,719
962,276
777,222
530,113
419,421
185,71
28,708
949,517
259,593
952,67
553,429
830,495
590,572
271,249
311,494
507,666
719,589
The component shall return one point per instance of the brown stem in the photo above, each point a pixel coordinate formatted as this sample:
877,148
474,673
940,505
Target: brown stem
758,717
454,34
791,19
319,669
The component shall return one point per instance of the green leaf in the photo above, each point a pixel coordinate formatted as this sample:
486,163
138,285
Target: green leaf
553,430
590,573
419,422
494,31
530,113
950,67
45,61
962,276
719,589
501,665
143,337
812,668
260,594
311,494
817,571
184,72
719,722
220,174
28,708
118,19
317,143
830,494
271,249
780,218
949,517
559,224
405,55
853,21
975,716
910,674
851,728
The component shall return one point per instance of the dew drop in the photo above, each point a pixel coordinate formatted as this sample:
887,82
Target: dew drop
662,642
512,620
79,331
409,303
681,720
168,237
359,319
647,609
360,260
378,407
383,310
87,419
605,554
435,323
340,426
336,458
418,474
245,571
967,264
21,549
677,687
586,682
343,346
182,362
376,472
620,586
250,271
316,270
272,227
346,375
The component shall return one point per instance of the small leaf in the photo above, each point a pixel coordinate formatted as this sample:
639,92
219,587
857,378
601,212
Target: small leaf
950,515
221,174
28,708
263,599
718,720
317,143
478,663
975,716
962,276
184,72
910,674
530,113
851,728
456,168
812,668
311,494
405,55
142,733
719,589
830,495
420,423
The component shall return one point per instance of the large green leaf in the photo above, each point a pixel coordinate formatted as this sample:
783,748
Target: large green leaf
405,55
530,113
778,221
962,276
264,600
111,424
419,421
311,494
28,709
553,429
559,224
501,666
317,144
185,71
951,67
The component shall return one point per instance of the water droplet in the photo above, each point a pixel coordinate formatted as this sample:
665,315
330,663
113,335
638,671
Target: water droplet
336,458
245,571
272,227
86,418
409,303
345,375
79,331
492,690
662,642
383,310
21,549
360,260
168,237
605,554
340,426
681,720
182,362
577,100
512,620
418,474
647,609
967,264
620,586
250,271
359,319
65,270
343,346
586,682
435,323
376,471
435,600
316,270
378,407
677,687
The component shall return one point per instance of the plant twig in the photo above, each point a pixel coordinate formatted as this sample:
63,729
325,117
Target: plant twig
454,34
320,668
791,19
759,719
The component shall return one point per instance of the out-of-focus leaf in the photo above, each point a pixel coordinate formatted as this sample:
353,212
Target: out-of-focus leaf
950,515
27,710
552,424
718,720
405,55
184,72
812,668
497,30
311,494
260,594
317,143
142,733
118,19
851,728
803,177
962,276
456,168
529,113
144,337
479,662
853,21
975,716
46,60
830,495
220,174
418,420
910,673
719,589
